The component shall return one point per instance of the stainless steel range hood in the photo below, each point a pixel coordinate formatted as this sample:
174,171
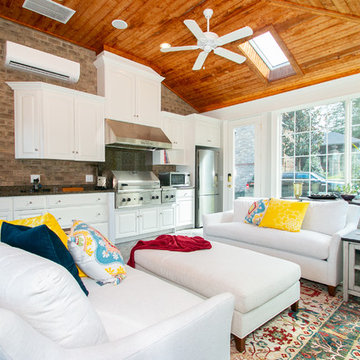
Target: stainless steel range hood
134,136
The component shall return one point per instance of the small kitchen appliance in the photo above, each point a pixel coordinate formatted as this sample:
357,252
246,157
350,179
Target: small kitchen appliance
101,182
176,179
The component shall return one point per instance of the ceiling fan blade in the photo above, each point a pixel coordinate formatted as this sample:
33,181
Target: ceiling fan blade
230,55
179,48
194,28
235,35
200,60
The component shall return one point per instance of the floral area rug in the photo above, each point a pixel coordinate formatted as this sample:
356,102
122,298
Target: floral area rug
324,328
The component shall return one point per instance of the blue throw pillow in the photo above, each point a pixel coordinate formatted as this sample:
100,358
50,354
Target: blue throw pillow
42,241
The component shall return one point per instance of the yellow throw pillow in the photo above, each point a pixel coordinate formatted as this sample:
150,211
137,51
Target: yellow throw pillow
284,215
50,221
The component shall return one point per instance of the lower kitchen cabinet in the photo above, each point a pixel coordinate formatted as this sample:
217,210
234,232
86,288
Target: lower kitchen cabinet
130,224
6,206
126,223
92,208
185,201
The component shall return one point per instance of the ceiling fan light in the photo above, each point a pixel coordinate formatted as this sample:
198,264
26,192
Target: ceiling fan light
119,24
165,46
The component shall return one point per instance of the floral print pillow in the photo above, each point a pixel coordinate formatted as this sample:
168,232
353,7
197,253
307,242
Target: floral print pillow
95,255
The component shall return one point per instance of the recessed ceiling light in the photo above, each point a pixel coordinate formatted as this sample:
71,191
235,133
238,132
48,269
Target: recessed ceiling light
165,46
119,24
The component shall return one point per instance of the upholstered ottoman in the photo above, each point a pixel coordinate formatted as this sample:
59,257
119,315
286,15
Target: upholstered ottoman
263,285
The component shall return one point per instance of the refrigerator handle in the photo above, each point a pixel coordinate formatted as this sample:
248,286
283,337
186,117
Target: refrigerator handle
216,180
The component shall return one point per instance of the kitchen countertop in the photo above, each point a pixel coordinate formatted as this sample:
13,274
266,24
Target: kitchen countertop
48,190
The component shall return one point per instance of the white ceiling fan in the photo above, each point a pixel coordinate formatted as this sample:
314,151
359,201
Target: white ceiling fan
208,41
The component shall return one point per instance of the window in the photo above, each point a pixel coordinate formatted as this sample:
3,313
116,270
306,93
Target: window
269,51
315,149
269,56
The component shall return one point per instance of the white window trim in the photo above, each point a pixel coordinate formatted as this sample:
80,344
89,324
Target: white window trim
276,140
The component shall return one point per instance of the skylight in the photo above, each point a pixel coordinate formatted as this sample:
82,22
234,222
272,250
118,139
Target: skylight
269,51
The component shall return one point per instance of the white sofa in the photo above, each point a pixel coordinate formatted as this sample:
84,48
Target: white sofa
317,248
45,315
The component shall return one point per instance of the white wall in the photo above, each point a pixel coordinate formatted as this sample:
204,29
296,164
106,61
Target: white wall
267,110
308,95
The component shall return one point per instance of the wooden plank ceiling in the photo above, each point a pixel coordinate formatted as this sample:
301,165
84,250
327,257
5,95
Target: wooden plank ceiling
322,36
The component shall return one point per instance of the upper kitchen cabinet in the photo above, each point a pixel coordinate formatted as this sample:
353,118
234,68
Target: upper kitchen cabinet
207,130
173,126
132,91
52,122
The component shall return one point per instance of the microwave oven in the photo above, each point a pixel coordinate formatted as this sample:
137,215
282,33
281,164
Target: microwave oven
174,179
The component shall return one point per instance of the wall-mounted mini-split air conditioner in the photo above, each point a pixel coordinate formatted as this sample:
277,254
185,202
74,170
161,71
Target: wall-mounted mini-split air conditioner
24,58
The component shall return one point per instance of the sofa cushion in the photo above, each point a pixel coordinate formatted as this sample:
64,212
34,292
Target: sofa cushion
326,217
45,295
141,300
95,255
241,207
305,242
256,211
41,241
284,215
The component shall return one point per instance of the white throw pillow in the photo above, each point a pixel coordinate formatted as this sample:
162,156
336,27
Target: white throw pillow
327,217
45,295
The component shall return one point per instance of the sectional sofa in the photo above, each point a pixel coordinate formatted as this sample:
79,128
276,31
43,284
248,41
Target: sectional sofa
317,248
45,315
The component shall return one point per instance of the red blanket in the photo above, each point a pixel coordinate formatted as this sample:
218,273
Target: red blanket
170,242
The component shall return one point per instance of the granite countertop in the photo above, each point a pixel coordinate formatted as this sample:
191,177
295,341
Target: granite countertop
49,190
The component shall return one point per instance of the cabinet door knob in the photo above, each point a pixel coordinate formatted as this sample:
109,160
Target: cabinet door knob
98,214
58,202
36,149
77,152
73,151
59,218
30,202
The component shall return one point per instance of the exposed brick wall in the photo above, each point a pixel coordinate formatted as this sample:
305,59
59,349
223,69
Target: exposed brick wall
15,172
172,103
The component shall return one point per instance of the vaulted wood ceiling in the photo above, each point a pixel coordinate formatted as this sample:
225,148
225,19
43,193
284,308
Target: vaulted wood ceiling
322,36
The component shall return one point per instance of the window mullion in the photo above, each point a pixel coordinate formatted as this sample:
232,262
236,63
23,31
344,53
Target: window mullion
348,142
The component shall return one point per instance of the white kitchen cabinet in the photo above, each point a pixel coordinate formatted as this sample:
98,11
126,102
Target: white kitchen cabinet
91,208
132,91
173,127
52,122
27,108
126,223
131,224
89,142
185,202
167,217
148,101
148,220
207,130
58,126
6,207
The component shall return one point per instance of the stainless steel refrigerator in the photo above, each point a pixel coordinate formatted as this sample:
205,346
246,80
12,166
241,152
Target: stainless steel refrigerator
207,198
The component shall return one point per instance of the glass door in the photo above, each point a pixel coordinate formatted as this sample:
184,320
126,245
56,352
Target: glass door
244,160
